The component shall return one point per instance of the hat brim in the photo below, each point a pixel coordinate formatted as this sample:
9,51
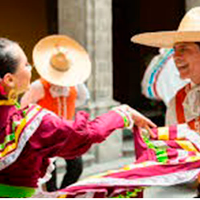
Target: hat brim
166,39
80,67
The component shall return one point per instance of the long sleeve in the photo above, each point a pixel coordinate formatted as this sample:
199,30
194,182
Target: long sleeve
57,137
53,137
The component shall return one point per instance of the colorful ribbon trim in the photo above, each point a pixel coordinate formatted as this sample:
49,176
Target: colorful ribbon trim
11,141
172,158
151,90
23,129
16,191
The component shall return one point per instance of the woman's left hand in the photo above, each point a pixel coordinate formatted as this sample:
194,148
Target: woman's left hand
139,119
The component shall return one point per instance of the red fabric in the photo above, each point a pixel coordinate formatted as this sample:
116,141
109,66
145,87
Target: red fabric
51,103
180,97
54,137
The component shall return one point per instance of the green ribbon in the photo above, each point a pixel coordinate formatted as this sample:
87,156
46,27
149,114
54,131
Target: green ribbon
161,154
130,194
16,191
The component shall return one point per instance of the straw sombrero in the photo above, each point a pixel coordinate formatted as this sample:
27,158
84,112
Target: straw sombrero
61,60
188,31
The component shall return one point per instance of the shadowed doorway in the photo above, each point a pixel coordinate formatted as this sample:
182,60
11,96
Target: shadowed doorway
28,21
130,60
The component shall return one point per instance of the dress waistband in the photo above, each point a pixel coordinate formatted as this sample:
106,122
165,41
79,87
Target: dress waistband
16,191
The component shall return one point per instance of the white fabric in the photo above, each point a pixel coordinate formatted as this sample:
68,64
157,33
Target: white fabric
169,82
170,117
163,74
83,95
47,175
159,180
191,103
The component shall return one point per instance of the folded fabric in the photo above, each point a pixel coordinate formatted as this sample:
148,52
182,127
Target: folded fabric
173,157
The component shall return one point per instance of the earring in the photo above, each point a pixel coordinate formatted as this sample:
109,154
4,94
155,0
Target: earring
12,96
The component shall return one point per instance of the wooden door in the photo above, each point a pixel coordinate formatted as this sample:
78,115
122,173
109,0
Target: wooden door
27,21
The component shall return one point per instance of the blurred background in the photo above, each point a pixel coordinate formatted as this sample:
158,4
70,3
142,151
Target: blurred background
104,28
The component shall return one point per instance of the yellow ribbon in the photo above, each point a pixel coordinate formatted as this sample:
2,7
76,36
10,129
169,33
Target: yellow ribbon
7,102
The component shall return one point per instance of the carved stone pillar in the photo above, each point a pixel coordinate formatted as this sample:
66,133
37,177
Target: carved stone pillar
90,23
191,3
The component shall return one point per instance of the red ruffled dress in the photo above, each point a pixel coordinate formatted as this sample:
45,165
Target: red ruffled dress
29,137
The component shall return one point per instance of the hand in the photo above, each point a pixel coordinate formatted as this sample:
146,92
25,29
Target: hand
139,120
143,122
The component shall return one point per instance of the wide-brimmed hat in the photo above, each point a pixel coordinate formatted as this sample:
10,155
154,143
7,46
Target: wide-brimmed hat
61,60
188,31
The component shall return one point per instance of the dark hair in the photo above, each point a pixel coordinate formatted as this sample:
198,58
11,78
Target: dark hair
8,61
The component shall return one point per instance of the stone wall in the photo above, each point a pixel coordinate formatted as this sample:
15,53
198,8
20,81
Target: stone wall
90,23
191,3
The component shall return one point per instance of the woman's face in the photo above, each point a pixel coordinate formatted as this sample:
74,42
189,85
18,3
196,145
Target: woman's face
22,76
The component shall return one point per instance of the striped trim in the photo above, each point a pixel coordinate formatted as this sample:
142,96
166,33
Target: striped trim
157,68
8,139
163,178
15,136
186,145
161,154
24,131
163,133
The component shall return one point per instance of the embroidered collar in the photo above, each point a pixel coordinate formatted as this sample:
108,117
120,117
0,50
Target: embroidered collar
59,91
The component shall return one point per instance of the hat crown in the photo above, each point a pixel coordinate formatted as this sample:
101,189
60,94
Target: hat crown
191,21
59,62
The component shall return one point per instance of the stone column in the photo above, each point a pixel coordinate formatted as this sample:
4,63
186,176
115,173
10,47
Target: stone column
191,3
90,23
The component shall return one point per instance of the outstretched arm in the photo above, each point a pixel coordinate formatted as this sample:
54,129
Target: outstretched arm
71,139
136,118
